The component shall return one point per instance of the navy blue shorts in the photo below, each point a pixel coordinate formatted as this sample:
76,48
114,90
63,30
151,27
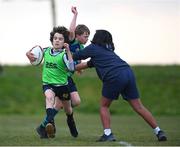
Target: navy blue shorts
124,85
61,91
71,85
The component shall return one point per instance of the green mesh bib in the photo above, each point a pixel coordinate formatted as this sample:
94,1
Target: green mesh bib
54,68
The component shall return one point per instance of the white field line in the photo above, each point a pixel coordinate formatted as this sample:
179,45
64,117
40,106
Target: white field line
124,143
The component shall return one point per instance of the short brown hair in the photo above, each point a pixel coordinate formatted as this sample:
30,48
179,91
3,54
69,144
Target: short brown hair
80,29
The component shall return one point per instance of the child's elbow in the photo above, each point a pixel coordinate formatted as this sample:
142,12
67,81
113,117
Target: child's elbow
71,69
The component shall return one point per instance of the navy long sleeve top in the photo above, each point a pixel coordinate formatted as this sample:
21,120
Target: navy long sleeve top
106,62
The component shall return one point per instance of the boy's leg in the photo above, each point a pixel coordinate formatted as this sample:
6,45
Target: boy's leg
58,104
106,120
70,119
147,116
142,111
75,99
104,112
47,129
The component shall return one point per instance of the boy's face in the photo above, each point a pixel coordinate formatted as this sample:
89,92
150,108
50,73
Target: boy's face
58,41
83,38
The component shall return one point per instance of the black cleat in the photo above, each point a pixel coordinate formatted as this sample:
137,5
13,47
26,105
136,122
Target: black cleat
161,136
72,126
50,129
42,132
107,138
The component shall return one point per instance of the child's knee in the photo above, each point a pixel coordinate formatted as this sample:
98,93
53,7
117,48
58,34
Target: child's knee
75,102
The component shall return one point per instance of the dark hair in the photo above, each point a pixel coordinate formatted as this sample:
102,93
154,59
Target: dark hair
103,38
80,29
61,30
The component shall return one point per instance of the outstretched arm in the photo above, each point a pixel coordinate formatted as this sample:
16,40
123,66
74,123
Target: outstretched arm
80,66
84,65
73,23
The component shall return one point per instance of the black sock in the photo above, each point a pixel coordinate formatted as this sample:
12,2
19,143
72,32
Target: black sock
69,116
51,112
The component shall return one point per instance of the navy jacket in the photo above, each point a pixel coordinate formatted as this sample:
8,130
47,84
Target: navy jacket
107,63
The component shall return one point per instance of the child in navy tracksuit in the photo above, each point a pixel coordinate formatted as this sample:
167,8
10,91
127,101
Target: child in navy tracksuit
118,78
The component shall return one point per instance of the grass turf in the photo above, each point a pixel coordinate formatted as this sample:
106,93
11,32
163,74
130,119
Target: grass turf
131,130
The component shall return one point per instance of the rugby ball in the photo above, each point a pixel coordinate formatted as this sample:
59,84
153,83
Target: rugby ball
38,54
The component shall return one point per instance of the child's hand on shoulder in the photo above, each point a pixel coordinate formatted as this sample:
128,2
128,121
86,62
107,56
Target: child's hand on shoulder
66,46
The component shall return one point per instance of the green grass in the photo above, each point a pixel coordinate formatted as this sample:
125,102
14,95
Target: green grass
158,85
19,130
22,108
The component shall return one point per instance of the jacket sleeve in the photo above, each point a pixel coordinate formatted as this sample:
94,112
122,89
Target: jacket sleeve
84,54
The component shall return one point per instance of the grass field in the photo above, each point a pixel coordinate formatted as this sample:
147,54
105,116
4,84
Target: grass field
19,130
158,86
22,109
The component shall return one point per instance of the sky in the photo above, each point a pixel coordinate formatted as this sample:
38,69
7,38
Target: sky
144,31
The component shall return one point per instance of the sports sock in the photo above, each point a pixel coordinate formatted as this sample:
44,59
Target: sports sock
69,116
45,122
156,130
50,114
107,131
